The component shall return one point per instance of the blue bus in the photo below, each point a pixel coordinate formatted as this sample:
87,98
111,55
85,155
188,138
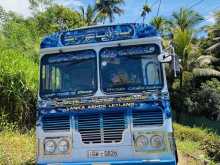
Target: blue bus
103,98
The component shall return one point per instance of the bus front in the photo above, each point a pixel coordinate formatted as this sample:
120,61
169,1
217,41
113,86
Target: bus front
103,99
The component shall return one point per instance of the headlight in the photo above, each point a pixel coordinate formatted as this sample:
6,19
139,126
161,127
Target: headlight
141,141
63,146
156,141
50,146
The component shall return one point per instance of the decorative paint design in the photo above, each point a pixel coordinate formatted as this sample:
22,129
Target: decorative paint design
99,34
138,101
149,49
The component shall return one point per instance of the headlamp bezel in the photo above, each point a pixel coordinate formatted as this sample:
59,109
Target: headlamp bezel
149,147
56,141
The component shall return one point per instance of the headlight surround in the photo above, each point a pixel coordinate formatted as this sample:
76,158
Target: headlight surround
57,145
156,141
50,146
63,146
141,141
149,141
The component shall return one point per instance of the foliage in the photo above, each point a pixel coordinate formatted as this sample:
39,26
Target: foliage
19,37
19,55
182,42
200,121
107,9
39,5
18,86
203,101
207,66
208,142
89,15
185,19
146,10
211,144
159,23
57,18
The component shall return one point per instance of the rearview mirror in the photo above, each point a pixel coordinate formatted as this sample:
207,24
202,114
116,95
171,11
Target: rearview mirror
164,57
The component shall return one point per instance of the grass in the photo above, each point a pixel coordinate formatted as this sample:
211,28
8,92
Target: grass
17,148
200,121
190,142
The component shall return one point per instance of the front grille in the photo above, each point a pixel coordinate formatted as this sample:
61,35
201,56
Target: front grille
147,117
89,128
101,127
56,123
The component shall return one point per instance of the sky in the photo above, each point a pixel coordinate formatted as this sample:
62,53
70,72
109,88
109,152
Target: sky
132,8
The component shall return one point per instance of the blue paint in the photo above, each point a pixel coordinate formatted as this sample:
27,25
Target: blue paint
99,34
133,162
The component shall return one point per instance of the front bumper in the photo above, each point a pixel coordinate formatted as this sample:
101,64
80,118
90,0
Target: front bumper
135,162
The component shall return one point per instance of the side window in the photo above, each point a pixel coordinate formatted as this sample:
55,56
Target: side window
152,72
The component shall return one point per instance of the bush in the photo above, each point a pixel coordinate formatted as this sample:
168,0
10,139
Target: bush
202,101
187,133
18,88
209,142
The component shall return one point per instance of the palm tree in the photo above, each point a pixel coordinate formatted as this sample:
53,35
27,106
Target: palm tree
108,8
182,23
207,66
159,23
146,10
88,15
185,19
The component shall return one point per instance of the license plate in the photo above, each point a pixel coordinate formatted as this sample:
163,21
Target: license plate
101,154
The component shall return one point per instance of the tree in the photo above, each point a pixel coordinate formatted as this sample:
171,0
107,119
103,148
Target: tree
39,5
207,66
214,32
146,10
108,8
57,18
89,15
159,23
182,23
185,19
183,44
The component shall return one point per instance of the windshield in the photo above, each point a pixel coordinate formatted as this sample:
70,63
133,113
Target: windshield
68,74
129,69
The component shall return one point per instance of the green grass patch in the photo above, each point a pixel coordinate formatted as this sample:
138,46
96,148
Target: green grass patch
198,142
17,148
190,147
200,121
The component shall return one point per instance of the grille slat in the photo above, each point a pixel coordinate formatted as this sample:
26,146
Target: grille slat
101,127
147,117
56,123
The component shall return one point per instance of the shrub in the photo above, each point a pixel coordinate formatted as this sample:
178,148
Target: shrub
202,101
187,133
211,144
18,87
208,142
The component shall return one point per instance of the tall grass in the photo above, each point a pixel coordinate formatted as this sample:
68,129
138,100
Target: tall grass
18,88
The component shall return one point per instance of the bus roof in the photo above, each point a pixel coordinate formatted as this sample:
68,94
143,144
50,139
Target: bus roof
97,34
